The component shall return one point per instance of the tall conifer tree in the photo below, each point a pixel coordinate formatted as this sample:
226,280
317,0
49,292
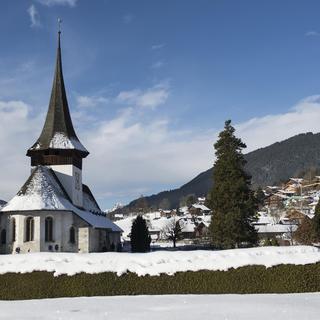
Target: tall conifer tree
316,223
231,199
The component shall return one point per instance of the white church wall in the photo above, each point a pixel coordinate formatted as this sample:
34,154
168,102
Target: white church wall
71,179
87,239
62,221
21,243
83,239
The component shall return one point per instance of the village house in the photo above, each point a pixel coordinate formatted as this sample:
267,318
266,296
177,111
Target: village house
199,209
54,210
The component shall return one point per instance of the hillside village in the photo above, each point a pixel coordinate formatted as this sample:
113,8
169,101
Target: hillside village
282,209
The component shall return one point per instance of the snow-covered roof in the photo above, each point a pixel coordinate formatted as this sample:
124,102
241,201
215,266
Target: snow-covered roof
201,207
61,141
276,228
273,187
286,191
43,191
264,219
188,227
298,180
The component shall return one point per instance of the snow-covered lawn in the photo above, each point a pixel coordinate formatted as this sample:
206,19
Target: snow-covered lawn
203,307
155,263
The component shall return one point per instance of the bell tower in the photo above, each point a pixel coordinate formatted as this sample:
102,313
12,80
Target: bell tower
58,146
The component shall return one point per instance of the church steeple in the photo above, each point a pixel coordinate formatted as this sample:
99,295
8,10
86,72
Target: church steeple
58,136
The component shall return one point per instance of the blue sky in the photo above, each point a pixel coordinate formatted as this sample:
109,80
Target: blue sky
150,83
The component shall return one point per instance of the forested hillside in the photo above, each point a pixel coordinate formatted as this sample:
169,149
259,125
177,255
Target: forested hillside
267,166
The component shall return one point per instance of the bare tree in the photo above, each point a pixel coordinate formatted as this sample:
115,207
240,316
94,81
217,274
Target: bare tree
290,233
173,231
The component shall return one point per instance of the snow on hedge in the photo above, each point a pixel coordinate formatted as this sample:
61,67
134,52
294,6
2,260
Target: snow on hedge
156,263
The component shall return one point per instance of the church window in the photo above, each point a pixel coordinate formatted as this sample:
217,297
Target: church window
3,236
48,229
13,229
29,229
72,235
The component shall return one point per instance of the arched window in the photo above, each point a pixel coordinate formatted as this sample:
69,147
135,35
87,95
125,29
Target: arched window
3,236
48,229
72,235
13,229
29,229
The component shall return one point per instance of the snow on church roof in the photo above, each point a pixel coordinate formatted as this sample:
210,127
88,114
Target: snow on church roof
43,191
61,141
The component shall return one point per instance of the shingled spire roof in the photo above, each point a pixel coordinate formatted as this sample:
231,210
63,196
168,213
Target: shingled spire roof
58,131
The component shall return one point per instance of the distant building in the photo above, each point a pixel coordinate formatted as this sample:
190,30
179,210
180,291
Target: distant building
54,210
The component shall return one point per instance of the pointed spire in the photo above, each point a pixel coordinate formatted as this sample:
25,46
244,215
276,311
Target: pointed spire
58,131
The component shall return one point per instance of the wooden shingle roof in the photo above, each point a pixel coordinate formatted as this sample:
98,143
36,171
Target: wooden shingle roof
58,131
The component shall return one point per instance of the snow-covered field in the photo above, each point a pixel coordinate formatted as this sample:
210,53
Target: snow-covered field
155,263
204,307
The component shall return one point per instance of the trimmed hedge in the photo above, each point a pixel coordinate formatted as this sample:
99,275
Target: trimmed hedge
250,279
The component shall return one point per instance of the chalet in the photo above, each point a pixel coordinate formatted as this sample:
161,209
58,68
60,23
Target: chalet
201,230
293,216
275,200
54,210
199,209
293,186
188,230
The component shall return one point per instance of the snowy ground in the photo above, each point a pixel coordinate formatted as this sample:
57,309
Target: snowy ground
155,263
217,307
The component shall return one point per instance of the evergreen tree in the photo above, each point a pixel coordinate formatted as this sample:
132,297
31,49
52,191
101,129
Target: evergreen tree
231,200
316,223
140,238
260,196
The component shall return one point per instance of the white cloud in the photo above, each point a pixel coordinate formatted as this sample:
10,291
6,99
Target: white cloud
303,117
130,154
34,16
18,131
312,33
51,3
135,154
150,98
90,101
158,46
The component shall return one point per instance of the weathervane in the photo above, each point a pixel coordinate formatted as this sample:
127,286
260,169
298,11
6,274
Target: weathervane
59,24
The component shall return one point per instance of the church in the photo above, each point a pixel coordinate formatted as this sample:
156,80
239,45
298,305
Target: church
54,211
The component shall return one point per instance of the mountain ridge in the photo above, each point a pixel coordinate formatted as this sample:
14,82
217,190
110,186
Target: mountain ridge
268,165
